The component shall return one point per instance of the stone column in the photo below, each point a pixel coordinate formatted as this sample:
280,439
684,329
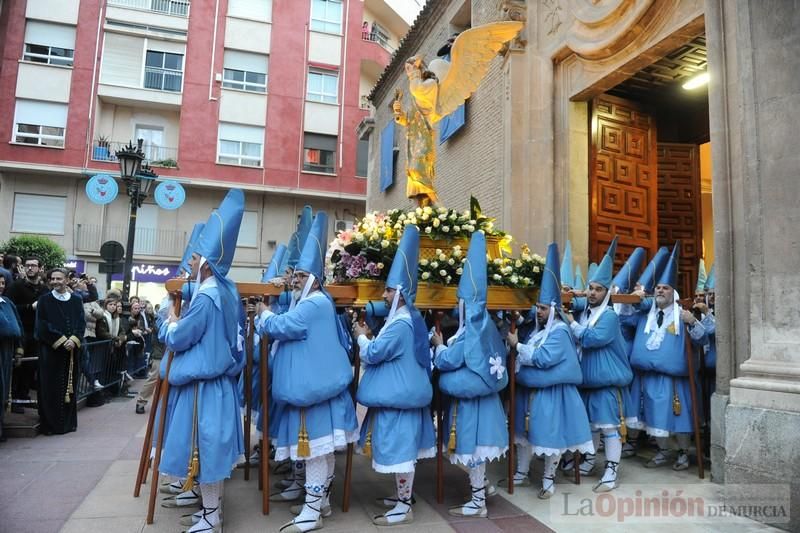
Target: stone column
754,111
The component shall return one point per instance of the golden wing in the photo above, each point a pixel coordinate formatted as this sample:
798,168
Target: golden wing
470,57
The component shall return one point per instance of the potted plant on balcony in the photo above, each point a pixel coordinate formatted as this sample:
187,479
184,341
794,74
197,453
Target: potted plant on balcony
101,151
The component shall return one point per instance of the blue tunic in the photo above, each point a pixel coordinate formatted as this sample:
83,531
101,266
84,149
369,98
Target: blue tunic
480,422
663,375
204,368
548,396
606,370
310,375
398,392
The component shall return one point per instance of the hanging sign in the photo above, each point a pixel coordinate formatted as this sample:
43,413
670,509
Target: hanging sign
102,189
170,195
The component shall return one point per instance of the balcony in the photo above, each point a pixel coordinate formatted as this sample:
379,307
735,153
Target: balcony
154,155
149,241
379,38
178,8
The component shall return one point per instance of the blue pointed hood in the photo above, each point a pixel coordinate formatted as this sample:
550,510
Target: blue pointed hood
550,290
579,283
273,270
312,259
626,277
298,239
217,244
482,341
567,275
590,274
711,283
653,270
702,278
190,246
405,264
603,272
670,274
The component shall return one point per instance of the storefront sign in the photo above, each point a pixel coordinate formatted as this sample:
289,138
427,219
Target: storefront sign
150,273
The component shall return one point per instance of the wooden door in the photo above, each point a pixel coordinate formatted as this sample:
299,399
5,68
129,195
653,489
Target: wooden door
622,178
679,208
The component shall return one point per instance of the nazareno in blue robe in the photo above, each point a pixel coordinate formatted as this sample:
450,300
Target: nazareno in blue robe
547,395
606,370
481,430
204,366
310,377
398,392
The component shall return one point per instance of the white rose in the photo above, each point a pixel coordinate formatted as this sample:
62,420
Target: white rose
514,279
443,216
428,229
442,257
424,216
380,266
418,211
456,228
434,264
497,277
518,263
384,243
423,262
451,261
436,222
459,271
536,269
443,273
426,275
446,229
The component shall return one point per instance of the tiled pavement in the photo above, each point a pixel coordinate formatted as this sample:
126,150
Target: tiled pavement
83,482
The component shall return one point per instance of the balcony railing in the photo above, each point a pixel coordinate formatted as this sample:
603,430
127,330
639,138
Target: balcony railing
178,8
163,79
149,241
154,155
379,38
364,102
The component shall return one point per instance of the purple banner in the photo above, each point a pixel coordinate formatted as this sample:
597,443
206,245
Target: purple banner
78,265
150,273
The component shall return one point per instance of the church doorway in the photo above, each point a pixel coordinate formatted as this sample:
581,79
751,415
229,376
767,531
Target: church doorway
650,163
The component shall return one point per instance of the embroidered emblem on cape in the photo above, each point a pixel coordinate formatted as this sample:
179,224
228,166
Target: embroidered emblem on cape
497,367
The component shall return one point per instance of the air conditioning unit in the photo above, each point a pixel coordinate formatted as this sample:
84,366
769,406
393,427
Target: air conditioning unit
341,225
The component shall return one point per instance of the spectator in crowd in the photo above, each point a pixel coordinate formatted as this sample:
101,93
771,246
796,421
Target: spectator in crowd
13,264
10,345
5,273
92,364
113,328
60,326
365,30
24,293
158,352
139,329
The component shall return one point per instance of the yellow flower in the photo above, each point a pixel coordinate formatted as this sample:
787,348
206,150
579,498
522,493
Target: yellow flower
436,223
518,263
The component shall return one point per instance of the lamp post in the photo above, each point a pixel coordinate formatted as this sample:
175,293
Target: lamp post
138,181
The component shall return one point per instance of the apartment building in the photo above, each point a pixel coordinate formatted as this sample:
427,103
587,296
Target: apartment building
264,95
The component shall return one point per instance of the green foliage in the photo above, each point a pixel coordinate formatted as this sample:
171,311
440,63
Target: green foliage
49,252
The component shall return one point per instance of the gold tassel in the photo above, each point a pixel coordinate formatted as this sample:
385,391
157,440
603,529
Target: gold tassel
194,470
194,462
303,448
528,413
676,404
67,398
623,427
451,443
367,449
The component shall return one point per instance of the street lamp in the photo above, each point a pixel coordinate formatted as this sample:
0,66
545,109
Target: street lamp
138,179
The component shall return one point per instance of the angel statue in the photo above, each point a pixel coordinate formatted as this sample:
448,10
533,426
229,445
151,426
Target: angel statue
437,90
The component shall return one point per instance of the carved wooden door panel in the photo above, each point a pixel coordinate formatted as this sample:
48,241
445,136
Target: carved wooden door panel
679,208
622,178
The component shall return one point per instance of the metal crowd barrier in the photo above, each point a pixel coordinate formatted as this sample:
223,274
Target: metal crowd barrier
104,362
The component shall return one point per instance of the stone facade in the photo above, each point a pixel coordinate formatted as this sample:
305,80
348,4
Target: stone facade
524,154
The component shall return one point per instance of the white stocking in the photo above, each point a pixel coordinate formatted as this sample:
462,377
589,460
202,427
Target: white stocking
330,464
211,496
524,455
405,486
549,476
683,441
316,474
613,444
478,489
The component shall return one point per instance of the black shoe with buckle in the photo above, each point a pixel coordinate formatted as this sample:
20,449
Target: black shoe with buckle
139,409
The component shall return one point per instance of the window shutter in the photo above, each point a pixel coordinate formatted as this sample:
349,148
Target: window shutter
387,156
41,113
240,132
250,62
28,214
49,34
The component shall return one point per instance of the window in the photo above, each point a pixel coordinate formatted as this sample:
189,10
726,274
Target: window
323,86
29,218
245,71
240,145
153,145
319,153
248,231
163,71
362,158
326,15
251,9
169,7
40,123
52,44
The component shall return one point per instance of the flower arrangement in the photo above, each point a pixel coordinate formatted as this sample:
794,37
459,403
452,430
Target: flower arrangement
366,251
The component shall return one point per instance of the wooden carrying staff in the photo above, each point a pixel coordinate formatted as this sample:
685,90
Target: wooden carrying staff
438,405
264,464
162,417
248,392
348,470
144,458
512,415
698,439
